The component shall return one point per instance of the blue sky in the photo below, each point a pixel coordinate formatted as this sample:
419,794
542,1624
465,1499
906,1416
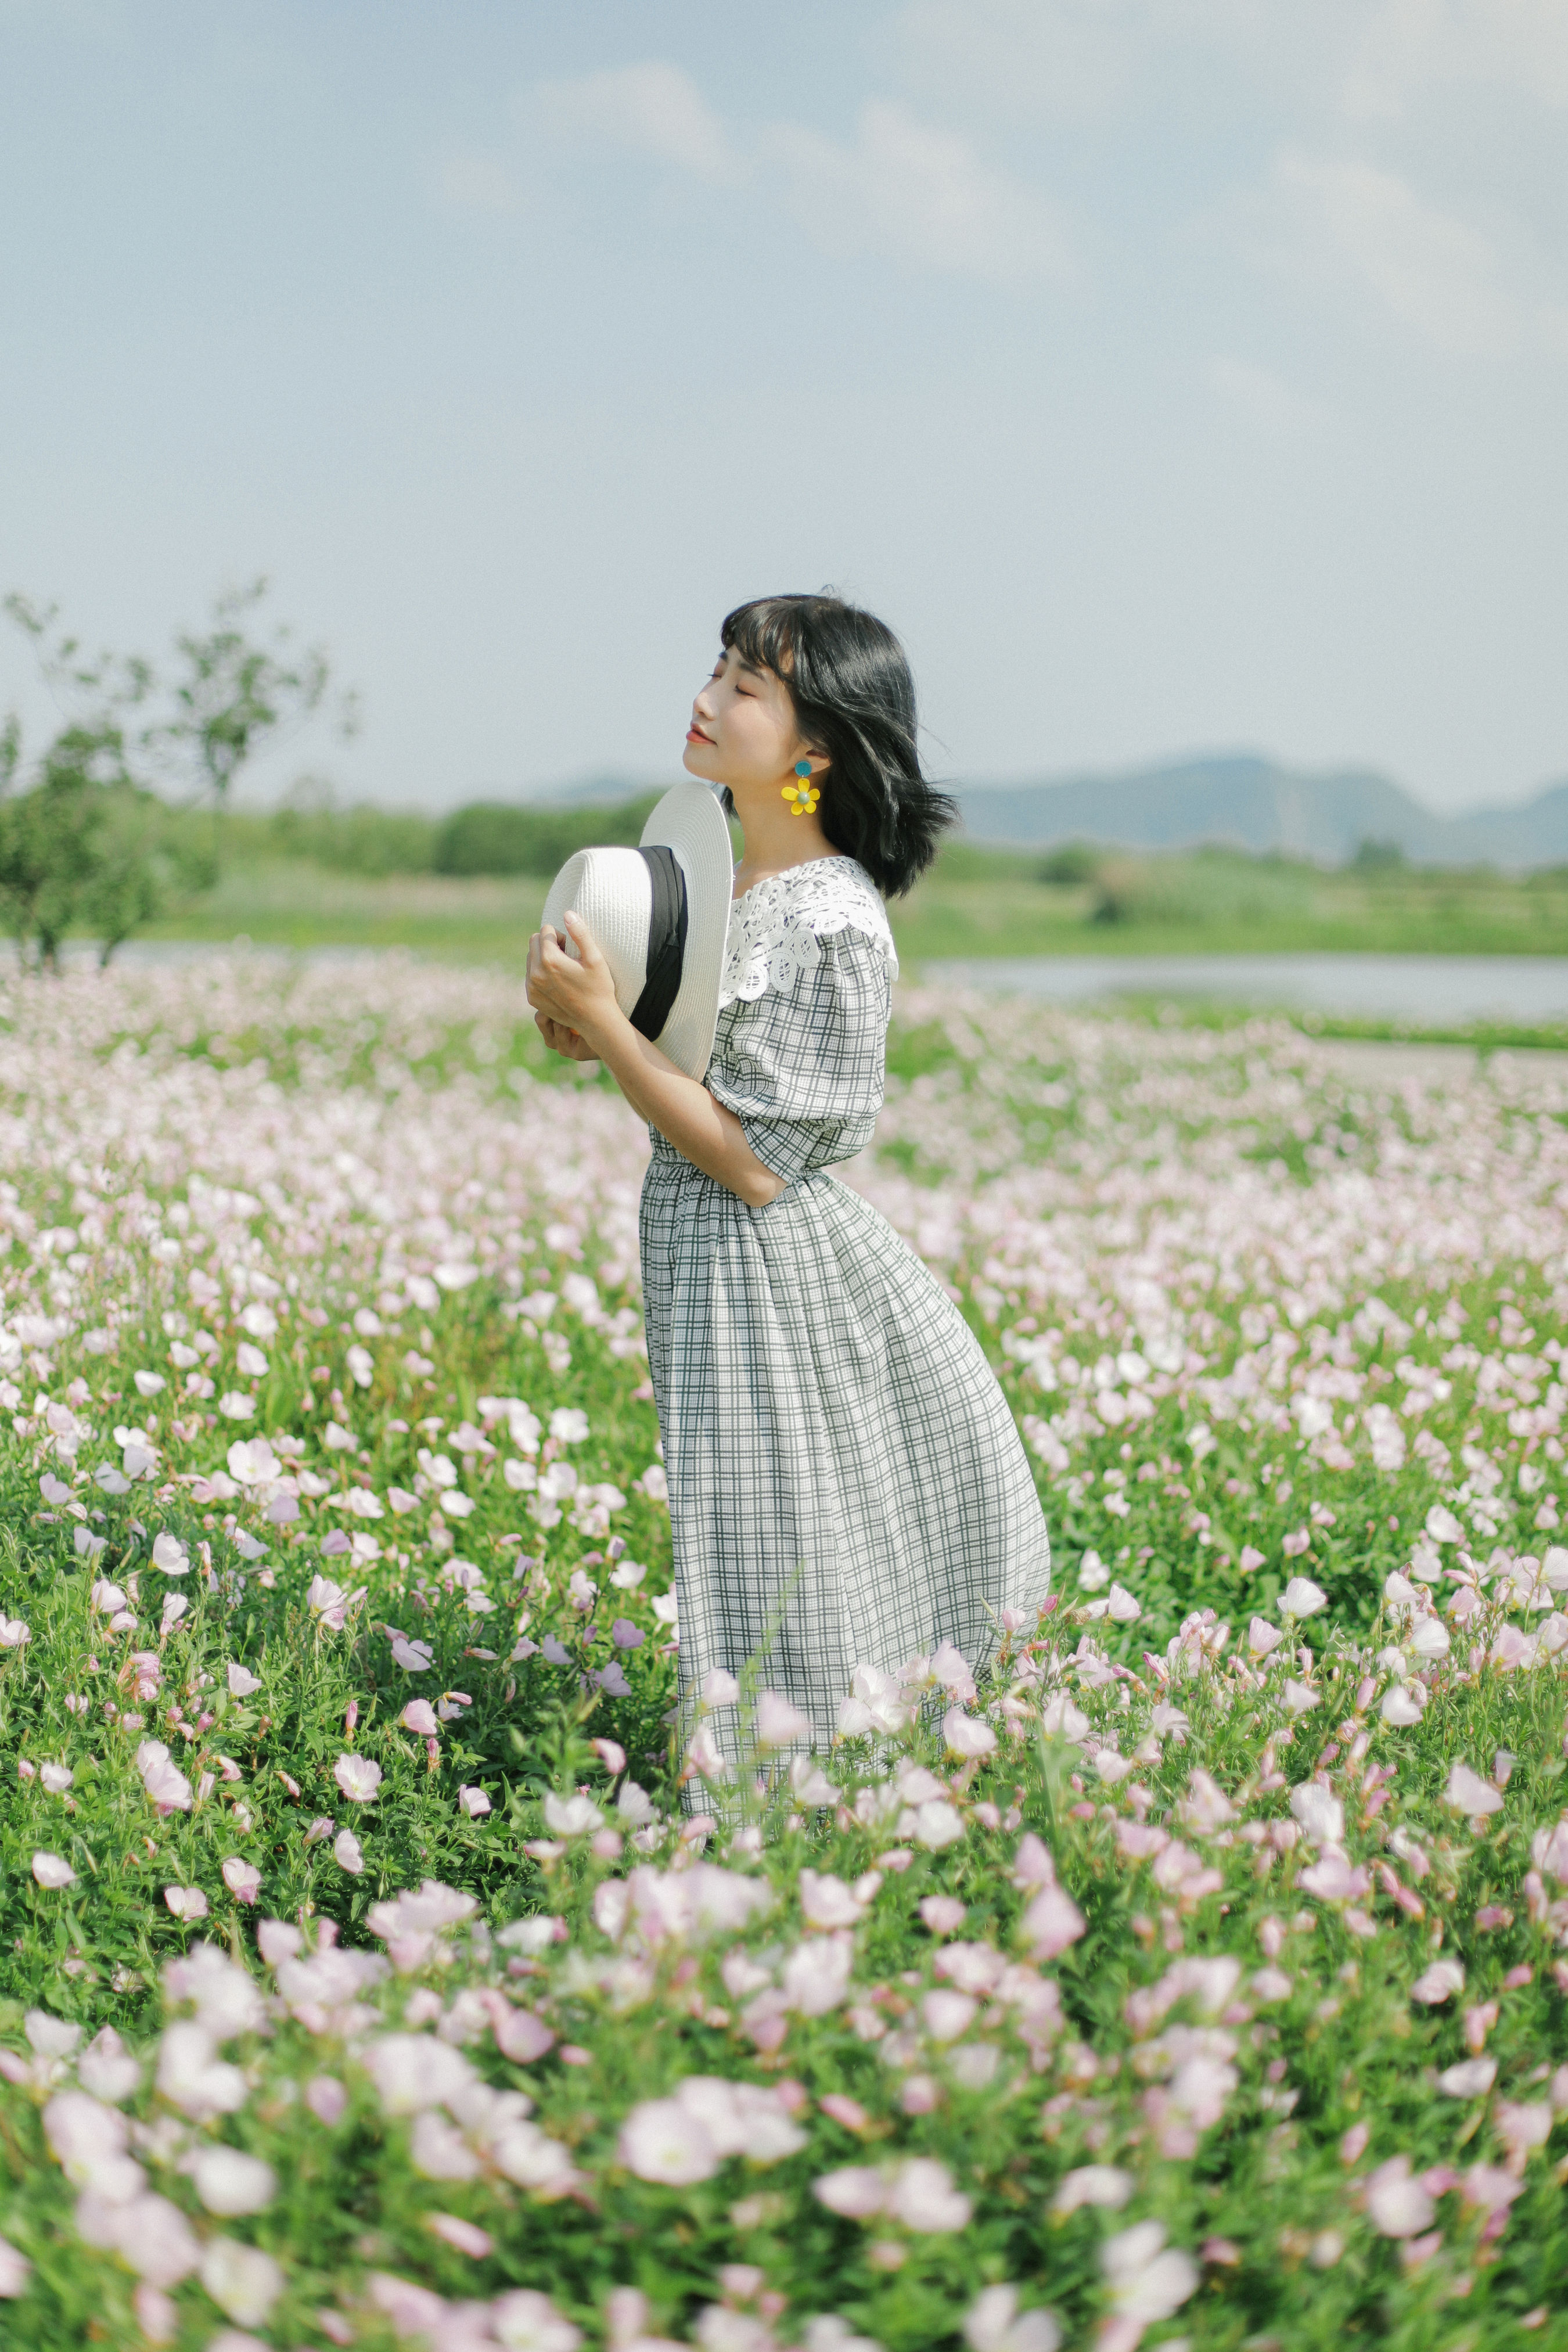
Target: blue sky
1172,374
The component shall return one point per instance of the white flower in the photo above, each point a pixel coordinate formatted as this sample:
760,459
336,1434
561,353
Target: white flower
1397,2206
1145,2284
994,2323
966,1735
661,2140
1472,2078
571,1816
1093,2184
1302,1598
242,1682
50,1871
149,1383
236,1406
230,2182
569,1425
1403,1704
1319,1812
1442,1525
170,1555
937,1825
923,2197
348,1853
242,2281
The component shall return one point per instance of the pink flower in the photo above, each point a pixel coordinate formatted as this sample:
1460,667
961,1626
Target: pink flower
826,1901
465,2236
1051,1923
948,2015
779,1721
419,1716
348,1853
1469,1793
1397,2206
1438,1984
242,1878
965,1734
857,2191
15,2271
950,1667
943,1913
845,2110
186,1901
474,1803
327,2099
922,2196
358,1777
50,1871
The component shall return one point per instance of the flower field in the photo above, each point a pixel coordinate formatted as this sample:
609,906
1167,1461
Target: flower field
1196,1976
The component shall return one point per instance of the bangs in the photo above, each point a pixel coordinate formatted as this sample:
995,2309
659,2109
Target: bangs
767,633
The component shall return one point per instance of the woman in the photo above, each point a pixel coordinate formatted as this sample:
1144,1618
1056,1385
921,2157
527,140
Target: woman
847,1485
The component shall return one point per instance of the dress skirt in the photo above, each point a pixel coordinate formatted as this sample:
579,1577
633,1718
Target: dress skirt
847,1482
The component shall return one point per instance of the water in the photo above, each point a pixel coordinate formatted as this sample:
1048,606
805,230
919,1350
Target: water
1431,992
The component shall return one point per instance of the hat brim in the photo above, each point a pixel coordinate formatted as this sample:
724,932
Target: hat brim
690,821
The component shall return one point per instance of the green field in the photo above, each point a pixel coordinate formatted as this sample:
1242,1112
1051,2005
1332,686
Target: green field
975,902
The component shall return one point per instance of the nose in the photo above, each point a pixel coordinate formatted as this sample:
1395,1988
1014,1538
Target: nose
701,708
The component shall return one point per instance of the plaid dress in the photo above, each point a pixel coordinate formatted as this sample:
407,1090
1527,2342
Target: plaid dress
846,1484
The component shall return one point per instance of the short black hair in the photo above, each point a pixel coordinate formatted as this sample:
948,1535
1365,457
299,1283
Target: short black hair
849,678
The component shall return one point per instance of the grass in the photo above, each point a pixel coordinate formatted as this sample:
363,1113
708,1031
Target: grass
1067,2007
976,902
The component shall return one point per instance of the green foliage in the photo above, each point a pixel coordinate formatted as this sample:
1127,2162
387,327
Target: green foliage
503,837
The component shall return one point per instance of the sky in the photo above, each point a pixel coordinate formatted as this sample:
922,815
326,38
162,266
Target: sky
1174,375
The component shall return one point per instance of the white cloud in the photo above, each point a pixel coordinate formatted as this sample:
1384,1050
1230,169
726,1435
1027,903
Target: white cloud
655,109
902,187
918,194
1264,399
1434,272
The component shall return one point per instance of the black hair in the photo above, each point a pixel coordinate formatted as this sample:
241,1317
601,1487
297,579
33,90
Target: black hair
849,678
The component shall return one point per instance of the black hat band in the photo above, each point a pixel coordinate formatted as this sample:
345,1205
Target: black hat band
665,941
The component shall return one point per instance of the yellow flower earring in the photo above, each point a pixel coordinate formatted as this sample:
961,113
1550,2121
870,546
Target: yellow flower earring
803,796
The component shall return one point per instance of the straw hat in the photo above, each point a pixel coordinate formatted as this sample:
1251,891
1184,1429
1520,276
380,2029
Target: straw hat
660,915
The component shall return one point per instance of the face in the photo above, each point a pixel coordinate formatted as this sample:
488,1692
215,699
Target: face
743,732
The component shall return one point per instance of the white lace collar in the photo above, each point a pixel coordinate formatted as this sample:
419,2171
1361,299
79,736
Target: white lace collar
775,925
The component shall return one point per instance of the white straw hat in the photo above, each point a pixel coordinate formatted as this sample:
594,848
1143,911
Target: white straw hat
661,916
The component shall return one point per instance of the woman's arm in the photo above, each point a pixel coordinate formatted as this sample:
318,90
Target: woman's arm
574,999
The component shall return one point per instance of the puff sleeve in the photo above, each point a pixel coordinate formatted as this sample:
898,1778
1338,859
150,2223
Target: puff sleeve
802,1065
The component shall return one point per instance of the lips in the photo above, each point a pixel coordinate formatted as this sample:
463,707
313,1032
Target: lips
694,735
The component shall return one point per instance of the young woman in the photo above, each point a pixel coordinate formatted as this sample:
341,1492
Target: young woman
847,1485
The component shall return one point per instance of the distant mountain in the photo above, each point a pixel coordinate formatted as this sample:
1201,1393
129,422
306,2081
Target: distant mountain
1255,804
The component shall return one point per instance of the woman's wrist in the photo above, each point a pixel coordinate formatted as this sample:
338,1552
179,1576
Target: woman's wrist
608,1034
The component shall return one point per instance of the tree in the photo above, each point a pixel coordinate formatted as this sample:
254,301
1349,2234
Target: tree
87,840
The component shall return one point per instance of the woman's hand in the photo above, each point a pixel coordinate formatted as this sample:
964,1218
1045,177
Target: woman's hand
573,997
561,1040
